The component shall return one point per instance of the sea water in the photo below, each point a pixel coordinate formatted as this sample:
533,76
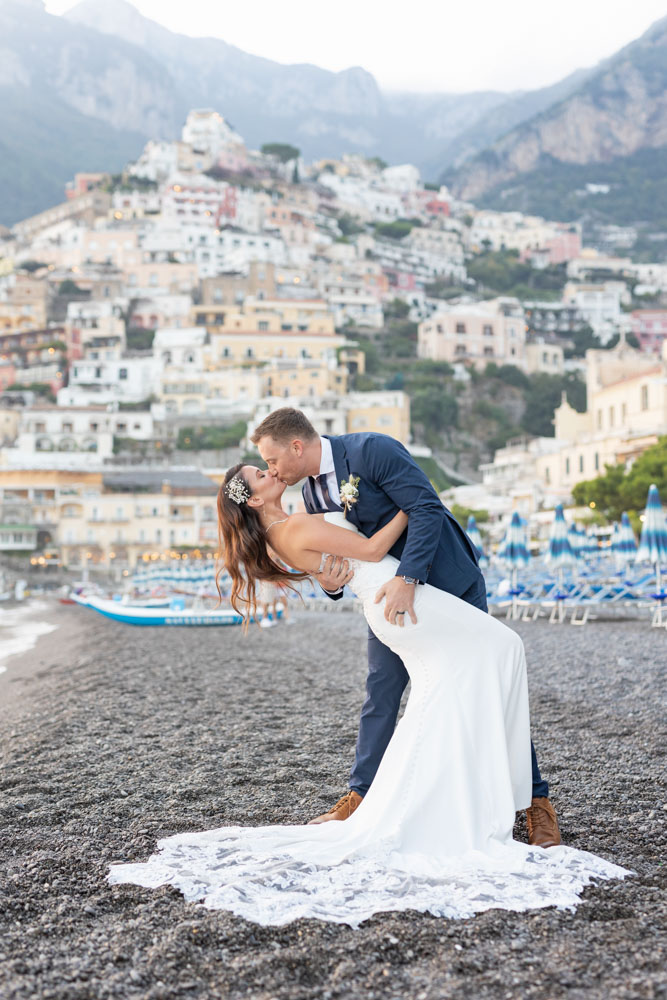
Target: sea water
20,628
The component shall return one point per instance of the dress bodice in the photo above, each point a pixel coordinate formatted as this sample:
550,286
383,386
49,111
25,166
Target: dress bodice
368,576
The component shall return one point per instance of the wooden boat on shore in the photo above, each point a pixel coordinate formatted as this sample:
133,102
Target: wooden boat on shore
179,615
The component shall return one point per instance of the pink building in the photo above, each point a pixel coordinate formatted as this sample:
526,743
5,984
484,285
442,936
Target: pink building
650,328
438,208
559,249
7,374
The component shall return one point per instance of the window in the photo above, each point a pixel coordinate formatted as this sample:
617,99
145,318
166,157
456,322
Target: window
547,475
40,427
581,463
460,328
263,325
249,353
460,349
487,330
567,466
68,428
611,416
624,411
597,461
644,397
122,374
599,420
488,352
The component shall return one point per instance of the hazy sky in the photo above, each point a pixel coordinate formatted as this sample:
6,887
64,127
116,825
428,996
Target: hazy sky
423,45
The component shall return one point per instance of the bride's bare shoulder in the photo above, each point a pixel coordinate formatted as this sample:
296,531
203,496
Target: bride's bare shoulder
297,522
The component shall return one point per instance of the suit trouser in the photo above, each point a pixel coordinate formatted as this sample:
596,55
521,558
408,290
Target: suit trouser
386,682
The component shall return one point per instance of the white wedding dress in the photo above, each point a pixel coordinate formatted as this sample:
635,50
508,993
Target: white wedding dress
434,833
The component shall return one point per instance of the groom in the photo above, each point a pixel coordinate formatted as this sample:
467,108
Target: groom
433,549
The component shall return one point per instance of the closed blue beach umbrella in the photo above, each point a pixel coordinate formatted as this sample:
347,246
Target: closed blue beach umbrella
475,537
559,553
513,550
653,541
624,546
653,545
577,541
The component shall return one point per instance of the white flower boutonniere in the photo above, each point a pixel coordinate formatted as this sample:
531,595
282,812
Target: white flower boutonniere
349,492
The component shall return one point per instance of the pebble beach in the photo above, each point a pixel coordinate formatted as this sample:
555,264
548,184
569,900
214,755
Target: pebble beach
113,737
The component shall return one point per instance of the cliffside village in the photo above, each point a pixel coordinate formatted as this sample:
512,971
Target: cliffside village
210,283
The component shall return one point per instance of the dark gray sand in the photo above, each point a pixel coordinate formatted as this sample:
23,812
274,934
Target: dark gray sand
114,736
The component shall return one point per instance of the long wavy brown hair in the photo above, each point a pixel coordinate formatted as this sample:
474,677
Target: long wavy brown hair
244,552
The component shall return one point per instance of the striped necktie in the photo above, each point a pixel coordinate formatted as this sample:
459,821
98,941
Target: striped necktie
322,480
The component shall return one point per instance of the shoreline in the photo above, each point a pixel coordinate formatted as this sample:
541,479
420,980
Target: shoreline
48,651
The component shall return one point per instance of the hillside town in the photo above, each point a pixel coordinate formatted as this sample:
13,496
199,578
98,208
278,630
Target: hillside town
153,318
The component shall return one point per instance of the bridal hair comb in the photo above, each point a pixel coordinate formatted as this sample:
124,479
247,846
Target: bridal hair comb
237,490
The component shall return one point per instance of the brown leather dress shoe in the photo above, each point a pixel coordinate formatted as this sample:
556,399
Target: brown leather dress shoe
542,824
342,810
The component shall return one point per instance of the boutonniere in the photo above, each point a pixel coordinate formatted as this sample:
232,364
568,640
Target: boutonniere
349,492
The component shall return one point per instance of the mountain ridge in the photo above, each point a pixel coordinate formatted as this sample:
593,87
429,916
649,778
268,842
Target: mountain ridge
105,69
618,110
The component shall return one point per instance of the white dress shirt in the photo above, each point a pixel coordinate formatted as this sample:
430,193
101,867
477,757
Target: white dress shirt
327,468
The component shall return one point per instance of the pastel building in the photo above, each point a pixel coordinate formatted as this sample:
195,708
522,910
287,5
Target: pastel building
475,333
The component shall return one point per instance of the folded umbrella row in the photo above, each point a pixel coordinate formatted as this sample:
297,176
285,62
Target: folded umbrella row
569,547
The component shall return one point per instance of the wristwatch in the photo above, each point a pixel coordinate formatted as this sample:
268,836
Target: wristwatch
410,579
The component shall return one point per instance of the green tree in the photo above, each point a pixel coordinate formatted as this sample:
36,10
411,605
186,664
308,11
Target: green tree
435,409
30,265
69,287
283,151
211,437
502,272
396,309
140,339
349,225
583,340
617,490
630,339
544,395
397,230
463,513
509,374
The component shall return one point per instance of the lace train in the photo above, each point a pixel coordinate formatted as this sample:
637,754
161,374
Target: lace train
229,869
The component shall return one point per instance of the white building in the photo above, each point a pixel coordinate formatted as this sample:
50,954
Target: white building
206,130
130,379
403,178
180,347
598,304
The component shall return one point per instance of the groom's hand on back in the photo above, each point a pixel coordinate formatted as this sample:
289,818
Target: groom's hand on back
399,596
335,575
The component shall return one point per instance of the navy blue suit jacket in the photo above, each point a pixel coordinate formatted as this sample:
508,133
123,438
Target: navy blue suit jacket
434,548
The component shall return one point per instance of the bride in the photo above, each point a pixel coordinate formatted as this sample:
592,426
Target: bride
434,832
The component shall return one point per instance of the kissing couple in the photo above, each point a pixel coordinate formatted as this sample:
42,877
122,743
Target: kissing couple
427,822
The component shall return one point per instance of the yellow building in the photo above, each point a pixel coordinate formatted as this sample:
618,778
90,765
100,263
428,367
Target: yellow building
115,518
195,393
626,414
382,412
